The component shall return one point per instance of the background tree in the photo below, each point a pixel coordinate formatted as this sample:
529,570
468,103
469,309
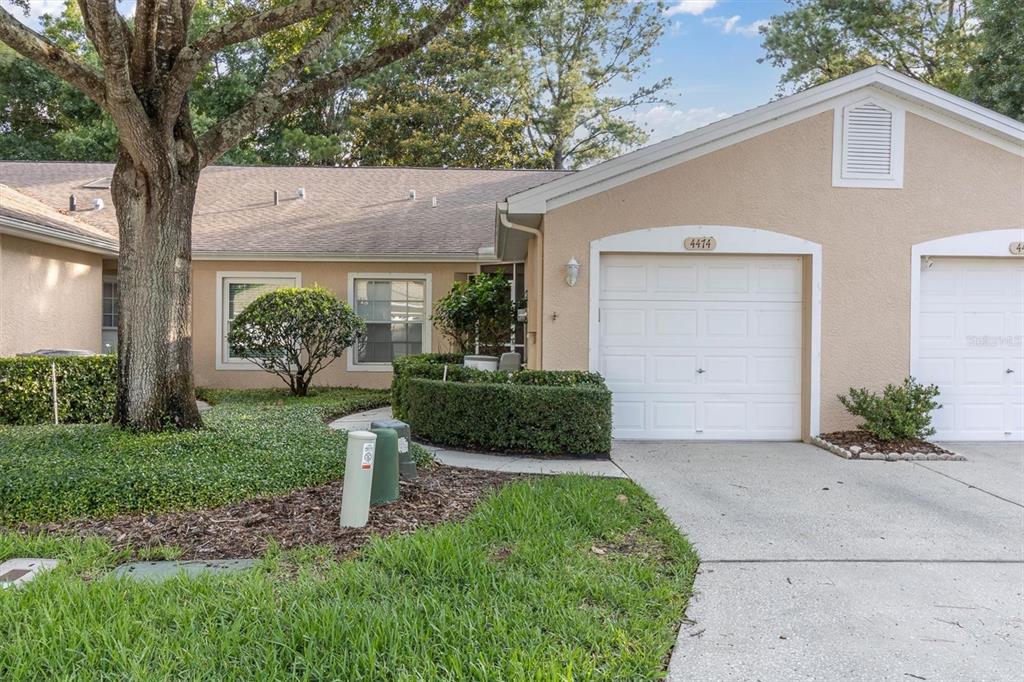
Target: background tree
821,40
478,311
294,333
144,73
996,79
572,56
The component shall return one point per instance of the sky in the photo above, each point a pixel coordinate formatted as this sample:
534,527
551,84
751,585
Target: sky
710,51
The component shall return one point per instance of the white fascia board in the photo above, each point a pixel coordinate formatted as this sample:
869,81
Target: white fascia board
47,235
334,256
987,125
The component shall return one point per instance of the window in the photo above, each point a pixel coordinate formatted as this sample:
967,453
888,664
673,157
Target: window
110,305
237,290
395,310
868,145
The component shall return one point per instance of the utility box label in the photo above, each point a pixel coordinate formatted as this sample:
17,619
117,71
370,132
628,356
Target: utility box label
403,445
367,455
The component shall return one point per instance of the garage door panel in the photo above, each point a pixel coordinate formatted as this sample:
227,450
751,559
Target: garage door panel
621,280
738,319
984,299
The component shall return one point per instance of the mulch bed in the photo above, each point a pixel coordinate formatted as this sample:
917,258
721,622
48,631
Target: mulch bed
302,517
863,445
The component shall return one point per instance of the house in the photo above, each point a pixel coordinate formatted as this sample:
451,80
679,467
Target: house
728,282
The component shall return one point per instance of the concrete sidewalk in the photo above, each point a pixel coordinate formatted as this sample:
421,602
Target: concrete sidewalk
490,461
820,568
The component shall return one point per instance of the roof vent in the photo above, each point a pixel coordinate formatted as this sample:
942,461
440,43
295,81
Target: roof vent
412,194
871,146
97,204
277,198
72,203
302,192
433,202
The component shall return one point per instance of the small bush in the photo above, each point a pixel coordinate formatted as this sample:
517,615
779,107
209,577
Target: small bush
902,411
567,419
433,366
294,333
86,387
478,311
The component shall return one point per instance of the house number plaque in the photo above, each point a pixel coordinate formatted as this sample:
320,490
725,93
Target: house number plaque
1017,248
699,243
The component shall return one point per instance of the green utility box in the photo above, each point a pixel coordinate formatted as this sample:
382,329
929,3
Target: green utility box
384,488
406,464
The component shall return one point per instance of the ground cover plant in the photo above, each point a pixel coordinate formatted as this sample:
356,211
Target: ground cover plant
253,443
550,578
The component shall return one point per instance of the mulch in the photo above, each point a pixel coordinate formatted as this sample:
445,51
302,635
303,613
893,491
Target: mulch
302,517
863,445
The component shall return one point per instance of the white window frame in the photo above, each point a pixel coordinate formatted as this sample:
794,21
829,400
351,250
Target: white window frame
896,151
428,302
110,279
223,362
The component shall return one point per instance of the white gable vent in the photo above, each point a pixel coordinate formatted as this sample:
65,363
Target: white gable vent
868,146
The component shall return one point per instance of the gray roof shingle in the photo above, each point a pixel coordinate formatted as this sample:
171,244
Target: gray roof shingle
359,211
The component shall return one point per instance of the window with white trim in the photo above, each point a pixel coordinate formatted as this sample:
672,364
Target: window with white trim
236,294
868,145
110,303
395,313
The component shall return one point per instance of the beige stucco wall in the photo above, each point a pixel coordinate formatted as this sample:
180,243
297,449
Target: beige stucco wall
782,181
333,276
50,297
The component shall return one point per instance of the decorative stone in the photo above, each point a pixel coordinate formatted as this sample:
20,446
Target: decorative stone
892,457
855,449
165,570
17,572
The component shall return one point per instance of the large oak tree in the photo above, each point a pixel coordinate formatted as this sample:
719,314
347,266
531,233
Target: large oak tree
146,67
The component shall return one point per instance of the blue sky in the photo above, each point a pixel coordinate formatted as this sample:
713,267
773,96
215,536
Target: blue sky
710,51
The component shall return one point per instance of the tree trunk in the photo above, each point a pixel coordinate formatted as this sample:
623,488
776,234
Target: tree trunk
154,203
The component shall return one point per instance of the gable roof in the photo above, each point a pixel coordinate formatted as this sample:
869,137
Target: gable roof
347,212
526,206
23,216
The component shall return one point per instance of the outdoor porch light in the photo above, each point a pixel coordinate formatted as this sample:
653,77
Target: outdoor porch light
572,272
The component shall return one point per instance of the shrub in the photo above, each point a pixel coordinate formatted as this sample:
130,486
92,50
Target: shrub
432,366
900,412
567,419
294,333
478,310
86,387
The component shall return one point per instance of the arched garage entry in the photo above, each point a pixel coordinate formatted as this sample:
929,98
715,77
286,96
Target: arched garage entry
708,332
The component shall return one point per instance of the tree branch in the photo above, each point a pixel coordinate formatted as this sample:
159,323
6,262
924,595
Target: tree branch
62,64
266,106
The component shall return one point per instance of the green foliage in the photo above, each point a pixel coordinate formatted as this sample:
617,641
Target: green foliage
478,309
512,593
821,40
294,333
558,420
996,79
253,444
86,387
449,366
900,412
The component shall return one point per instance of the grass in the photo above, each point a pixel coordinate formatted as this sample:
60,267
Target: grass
254,443
516,592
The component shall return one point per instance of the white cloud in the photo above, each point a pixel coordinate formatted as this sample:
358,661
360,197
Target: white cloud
692,7
663,121
732,25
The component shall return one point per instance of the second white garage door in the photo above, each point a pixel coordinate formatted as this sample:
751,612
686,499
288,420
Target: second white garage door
702,346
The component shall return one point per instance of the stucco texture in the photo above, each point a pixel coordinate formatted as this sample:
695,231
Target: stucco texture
50,297
331,275
782,181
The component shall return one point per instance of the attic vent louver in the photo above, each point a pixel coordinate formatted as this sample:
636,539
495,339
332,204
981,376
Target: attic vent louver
869,146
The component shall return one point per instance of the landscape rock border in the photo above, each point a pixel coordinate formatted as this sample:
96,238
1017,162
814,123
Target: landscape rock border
898,454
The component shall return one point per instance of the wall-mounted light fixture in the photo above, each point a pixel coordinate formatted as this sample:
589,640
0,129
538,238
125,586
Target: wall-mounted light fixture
572,272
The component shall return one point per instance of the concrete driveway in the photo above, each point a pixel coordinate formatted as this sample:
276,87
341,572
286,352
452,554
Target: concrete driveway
819,568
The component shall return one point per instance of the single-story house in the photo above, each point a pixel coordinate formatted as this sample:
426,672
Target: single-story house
728,282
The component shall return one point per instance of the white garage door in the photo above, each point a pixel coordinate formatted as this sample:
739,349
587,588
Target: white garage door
702,346
971,344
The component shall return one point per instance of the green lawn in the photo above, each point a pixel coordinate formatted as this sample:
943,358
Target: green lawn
254,442
516,592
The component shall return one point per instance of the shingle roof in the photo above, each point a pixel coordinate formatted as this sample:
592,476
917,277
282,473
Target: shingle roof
363,211
31,214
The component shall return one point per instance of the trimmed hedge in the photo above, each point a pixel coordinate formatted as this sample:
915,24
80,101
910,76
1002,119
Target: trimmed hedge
432,366
86,386
567,419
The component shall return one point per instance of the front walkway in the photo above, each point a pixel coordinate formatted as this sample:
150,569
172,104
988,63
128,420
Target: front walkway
818,568
489,461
